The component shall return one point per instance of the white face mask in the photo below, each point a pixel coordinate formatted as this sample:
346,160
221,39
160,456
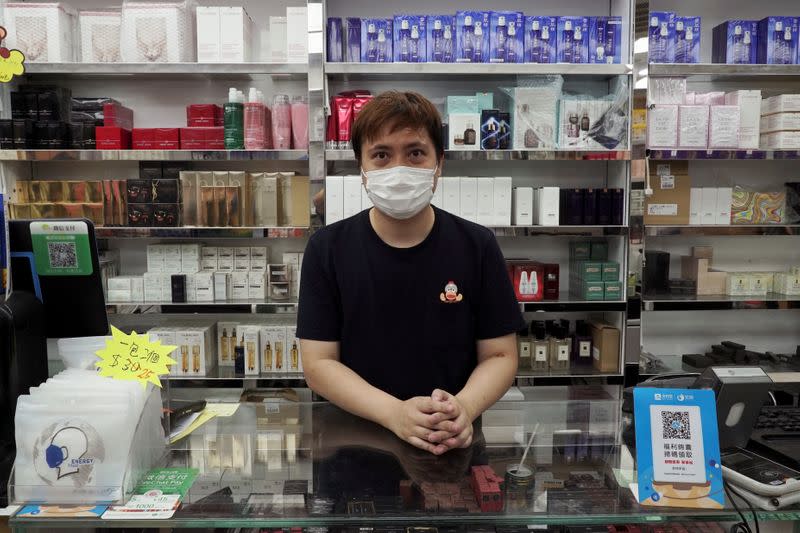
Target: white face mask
400,192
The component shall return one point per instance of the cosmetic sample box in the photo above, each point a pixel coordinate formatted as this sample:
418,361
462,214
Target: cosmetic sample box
781,140
472,36
42,31
687,39
783,103
376,40
451,194
351,195
540,39
273,349
736,42
573,40
780,122
352,39
661,37
662,126
506,37
605,40
195,353
277,40
463,131
693,126
297,34
777,43
157,33
485,202
410,38
749,103
334,199
723,127
223,35
440,33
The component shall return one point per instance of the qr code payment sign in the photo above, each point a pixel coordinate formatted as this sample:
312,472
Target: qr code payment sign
676,425
677,440
62,254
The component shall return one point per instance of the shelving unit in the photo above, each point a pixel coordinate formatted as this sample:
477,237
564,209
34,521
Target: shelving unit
153,155
510,155
723,231
437,71
111,232
166,70
723,72
681,155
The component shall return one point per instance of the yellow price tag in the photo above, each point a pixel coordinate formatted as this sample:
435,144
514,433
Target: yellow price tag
134,357
12,62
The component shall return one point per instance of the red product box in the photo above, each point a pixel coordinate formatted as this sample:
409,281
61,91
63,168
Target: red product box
112,138
203,115
167,138
212,138
528,281
144,138
117,115
551,281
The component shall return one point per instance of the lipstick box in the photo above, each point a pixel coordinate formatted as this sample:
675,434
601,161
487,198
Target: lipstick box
143,138
203,115
118,116
167,138
112,138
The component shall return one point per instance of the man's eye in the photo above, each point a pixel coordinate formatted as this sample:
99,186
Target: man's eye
417,153
380,155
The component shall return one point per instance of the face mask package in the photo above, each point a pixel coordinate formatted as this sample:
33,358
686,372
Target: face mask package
506,36
43,32
573,40
472,31
605,40
661,37
157,33
777,44
540,39
440,45
534,110
409,39
687,39
735,42
376,40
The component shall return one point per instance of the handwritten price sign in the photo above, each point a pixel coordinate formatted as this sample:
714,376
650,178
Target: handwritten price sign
133,357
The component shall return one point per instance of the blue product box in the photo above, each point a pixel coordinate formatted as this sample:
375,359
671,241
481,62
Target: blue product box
687,39
777,44
440,39
352,40
540,39
661,37
736,42
409,39
334,40
573,40
376,40
605,40
472,36
506,36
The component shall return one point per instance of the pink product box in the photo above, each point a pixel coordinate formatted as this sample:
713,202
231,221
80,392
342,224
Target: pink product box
662,127
693,127
713,98
723,128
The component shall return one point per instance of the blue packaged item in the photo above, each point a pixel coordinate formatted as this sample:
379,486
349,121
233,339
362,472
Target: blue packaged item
687,39
735,42
540,39
376,40
573,40
777,44
440,43
605,40
472,36
409,39
506,36
661,37
334,40
352,40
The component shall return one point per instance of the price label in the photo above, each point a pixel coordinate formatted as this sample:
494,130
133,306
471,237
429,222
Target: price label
133,357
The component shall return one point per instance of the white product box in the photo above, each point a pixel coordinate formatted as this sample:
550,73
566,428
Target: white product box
781,140
708,206
226,342
485,214
157,32
155,258
241,259
780,122
208,264
366,201
152,286
502,201
787,283
662,126
277,39
273,348
208,252
667,91
468,201
712,98
222,286
547,206
204,286
294,361
100,33
351,196
236,28
120,283
42,31
451,195
723,127
695,206
137,289
225,259
168,337
208,34
249,336
173,263
297,34
191,287
438,197
535,117
784,103
221,178
334,199
749,103
194,350
463,131
689,98
259,258
724,201
256,286
240,286
693,126
119,295
190,258
522,210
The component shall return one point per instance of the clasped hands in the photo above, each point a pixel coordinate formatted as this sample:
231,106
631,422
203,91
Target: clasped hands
435,423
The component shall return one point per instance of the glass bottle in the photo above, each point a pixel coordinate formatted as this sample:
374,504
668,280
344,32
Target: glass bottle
469,134
524,348
238,360
544,47
511,43
466,39
500,45
185,359
539,356
295,357
478,55
224,346
196,358
559,349
437,41
582,345
268,356
251,356
585,121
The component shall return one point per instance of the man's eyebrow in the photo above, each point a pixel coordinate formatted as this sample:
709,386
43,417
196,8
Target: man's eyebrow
414,144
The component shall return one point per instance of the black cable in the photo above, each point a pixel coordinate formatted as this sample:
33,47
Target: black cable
750,505
743,525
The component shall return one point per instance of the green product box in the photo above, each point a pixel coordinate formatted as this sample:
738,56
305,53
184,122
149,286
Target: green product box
589,271
611,271
580,251
485,100
599,251
612,290
593,291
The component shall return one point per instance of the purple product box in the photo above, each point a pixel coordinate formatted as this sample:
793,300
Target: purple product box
540,39
573,40
506,36
605,40
441,38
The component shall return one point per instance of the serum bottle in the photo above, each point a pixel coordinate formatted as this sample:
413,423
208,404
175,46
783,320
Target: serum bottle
405,41
414,45
567,40
381,46
478,54
467,42
447,45
500,45
438,38
576,44
739,54
469,134
372,43
680,42
544,47
786,57
535,42
511,43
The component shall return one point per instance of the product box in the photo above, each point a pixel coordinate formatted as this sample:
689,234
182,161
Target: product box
522,207
687,39
605,346
225,261
783,103
410,38
226,342
472,37
278,40
599,251
112,138
777,44
451,195
578,116
256,286
605,40
236,29
786,283
612,291
580,251
334,199
240,286
749,103
661,37
708,206
352,39
44,32
610,271
662,126
297,34
535,120
781,140
440,45
295,360
540,39
506,37
573,40
158,33
591,291
352,195
671,91
100,33
333,43
485,202
463,131
248,338
194,350
376,40
589,271
749,207
167,337
670,201
222,286
204,286
208,34
693,126
780,122
546,206
736,42
502,201
528,281
723,129
468,188
724,201
241,259
259,258
273,348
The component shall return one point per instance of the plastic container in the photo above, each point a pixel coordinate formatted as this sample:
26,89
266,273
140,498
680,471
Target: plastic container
300,123
79,352
282,122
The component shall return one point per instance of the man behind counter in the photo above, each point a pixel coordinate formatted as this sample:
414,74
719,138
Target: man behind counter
407,316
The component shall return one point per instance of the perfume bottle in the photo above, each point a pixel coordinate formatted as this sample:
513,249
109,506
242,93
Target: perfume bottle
540,360
565,328
535,43
438,37
278,355
196,358
478,32
585,121
469,135
224,346
295,357
573,129
582,345
511,43
738,48
404,37
558,348
414,45
268,356
467,43
372,43
500,44
786,56
185,359
232,343
251,356
524,348
447,52
381,46
238,358
567,37
544,47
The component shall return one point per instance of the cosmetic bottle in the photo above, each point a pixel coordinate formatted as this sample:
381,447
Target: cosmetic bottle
500,50
238,359
604,207
786,47
184,359
232,344
504,135
438,41
447,45
414,45
382,47
282,122
688,43
567,37
300,123
254,120
251,356
405,41
576,44
511,48
524,348
477,56
196,359
467,39
524,286
540,361
372,43
582,345
680,41
777,39
739,55
224,346
573,129
544,49
233,111
279,355
536,45
567,337
589,207
585,121
469,134
558,348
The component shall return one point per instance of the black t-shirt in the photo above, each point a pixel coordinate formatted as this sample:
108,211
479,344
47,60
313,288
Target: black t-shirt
407,319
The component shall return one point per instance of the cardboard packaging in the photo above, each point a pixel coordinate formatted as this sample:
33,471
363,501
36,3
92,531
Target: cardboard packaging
546,206
661,37
42,31
226,342
724,202
278,40
781,140
777,42
273,349
463,131
522,210
410,38
222,286
687,39
100,33
208,34
708,206
157,33
605,40
693,127
440,45
472,36
573,40
451,195
535,117
236,28
780,122
506,36
502,201
736,42
540,39
295,360
468,202
749,103
695,206
662,126
297,34
352,195
749,207
376,40
783,103
670,202
605,346
486,209
195,350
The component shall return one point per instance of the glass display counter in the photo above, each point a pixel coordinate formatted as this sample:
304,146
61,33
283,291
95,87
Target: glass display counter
278,463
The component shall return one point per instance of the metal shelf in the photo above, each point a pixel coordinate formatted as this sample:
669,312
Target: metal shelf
449,70
153,155
201,233
166,70
569,231
668,302
555,306
576,373
681,155
722,231
240,306
227,374
510,155
719,72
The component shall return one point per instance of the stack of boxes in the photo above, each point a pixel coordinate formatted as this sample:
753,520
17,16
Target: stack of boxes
154,199
102,202
195,347
592,276
780,122
268,349
223,35
770,41
673,39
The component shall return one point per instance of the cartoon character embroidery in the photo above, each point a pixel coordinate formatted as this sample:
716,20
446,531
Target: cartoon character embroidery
450,294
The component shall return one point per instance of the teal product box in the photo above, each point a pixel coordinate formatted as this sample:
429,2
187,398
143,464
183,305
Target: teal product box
589,270
599,251
612,291
485,101
580,251
593,291
611,271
